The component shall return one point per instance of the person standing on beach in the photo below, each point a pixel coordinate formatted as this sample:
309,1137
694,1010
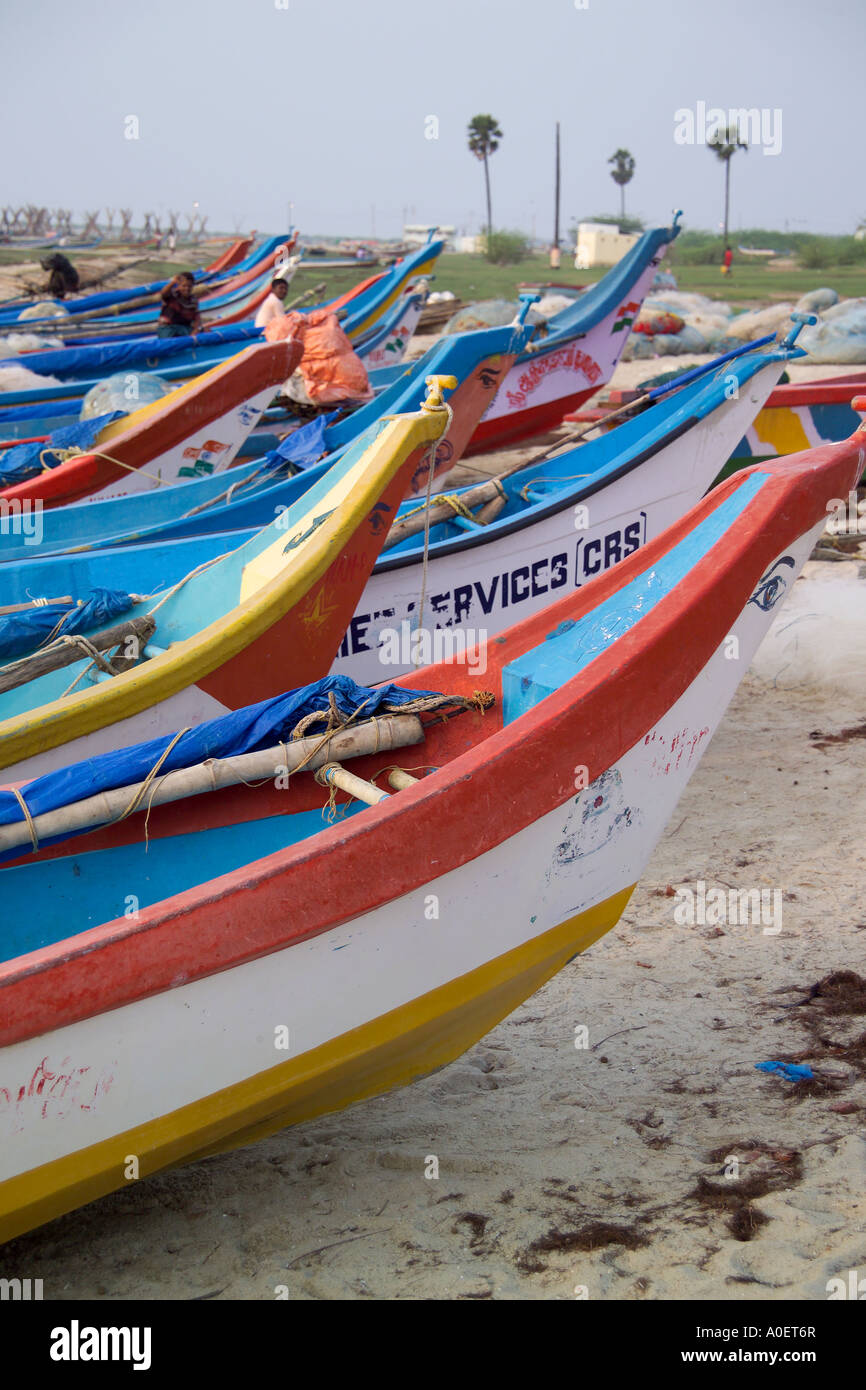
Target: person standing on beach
273,306
180,315
63,279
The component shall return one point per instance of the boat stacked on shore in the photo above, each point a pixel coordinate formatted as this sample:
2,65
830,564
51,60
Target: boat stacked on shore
310,772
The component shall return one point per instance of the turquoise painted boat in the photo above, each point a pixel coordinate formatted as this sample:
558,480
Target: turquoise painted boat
477,360
630,483
174,359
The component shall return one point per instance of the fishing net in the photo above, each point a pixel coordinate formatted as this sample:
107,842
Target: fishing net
16,343
45,309
839,335
123,393
489,313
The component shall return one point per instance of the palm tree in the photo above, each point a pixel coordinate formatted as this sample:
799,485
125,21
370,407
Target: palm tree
724,145
622,174
484,136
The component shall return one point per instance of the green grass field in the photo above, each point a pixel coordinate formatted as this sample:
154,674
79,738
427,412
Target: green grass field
472,278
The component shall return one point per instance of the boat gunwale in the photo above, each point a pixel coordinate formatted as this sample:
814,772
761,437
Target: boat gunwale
541,510
193,934
256,367
221,639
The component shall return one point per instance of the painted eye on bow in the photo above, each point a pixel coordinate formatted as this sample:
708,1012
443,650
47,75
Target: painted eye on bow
773,585
769,592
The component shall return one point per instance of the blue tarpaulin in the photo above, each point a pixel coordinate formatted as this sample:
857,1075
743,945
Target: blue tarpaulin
23,632
305,446
25,461
244,731
101,359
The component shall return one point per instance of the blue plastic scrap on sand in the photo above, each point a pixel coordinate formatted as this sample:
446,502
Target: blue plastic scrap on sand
788,1070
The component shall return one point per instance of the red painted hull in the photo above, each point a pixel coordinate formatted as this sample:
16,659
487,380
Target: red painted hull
525,424
234,253
488,785
240,378
834,390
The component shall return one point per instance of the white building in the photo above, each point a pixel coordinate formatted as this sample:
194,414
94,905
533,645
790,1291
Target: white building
470,245
416,233
599,244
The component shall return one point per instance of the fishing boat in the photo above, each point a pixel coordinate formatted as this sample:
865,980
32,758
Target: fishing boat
576,353
366,309
487,554
796,415
572,356
477,360
78,369
800,415
204,971
386,345
193,431
231,630
138,304
494,551
34,412
82,303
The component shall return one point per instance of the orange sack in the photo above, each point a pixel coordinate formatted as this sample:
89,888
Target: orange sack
330,369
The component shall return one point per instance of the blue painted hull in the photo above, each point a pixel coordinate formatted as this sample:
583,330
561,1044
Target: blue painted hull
163,554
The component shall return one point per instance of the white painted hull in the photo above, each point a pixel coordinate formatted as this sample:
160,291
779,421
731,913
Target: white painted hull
210,448
123,1069
484,588
393,347
584,365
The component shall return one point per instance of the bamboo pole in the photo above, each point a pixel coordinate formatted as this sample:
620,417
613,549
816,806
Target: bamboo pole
490,511
401,780
335,776
27,607
314,751
489,493
63,653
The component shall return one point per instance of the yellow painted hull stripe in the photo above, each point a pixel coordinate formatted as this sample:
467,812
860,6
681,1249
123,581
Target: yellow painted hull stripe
376,314
396,1048
186,662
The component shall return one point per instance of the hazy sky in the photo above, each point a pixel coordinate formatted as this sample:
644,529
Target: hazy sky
246,105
